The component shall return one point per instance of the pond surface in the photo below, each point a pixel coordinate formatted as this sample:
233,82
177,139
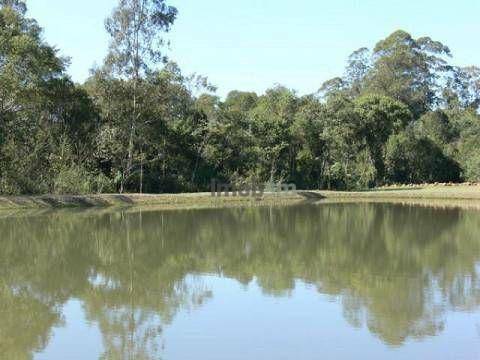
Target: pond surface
329,281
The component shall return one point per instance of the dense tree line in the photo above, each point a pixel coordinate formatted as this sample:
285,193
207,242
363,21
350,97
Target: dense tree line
400,114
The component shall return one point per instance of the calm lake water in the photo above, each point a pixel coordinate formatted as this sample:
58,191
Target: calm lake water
329,281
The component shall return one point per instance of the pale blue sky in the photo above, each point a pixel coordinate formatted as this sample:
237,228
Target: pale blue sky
254,44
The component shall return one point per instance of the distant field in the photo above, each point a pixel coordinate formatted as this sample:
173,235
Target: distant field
454,191
423,194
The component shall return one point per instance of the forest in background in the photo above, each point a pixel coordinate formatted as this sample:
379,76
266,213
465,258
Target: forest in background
401,113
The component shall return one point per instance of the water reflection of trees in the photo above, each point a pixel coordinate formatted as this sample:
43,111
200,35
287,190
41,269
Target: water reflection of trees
396,269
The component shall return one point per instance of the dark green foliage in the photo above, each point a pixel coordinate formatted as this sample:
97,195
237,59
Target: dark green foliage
437,126
401,114
45,120
410,159
468,144
379,117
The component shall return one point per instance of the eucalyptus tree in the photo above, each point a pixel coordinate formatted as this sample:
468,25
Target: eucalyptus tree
463,88
413,71
409,70
358,67
17,5
333,87
136,28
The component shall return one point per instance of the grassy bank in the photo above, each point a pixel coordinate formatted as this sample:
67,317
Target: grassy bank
166,201
172,201
443,191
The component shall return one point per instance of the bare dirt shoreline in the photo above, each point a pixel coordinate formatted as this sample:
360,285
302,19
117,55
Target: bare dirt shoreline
424,194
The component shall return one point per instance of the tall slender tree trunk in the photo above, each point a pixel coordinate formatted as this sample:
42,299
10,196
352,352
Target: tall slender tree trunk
132,134
197,160
136,76
273,170
164,162
141,172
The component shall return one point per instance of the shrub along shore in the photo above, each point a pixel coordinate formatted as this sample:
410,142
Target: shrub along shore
423,194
